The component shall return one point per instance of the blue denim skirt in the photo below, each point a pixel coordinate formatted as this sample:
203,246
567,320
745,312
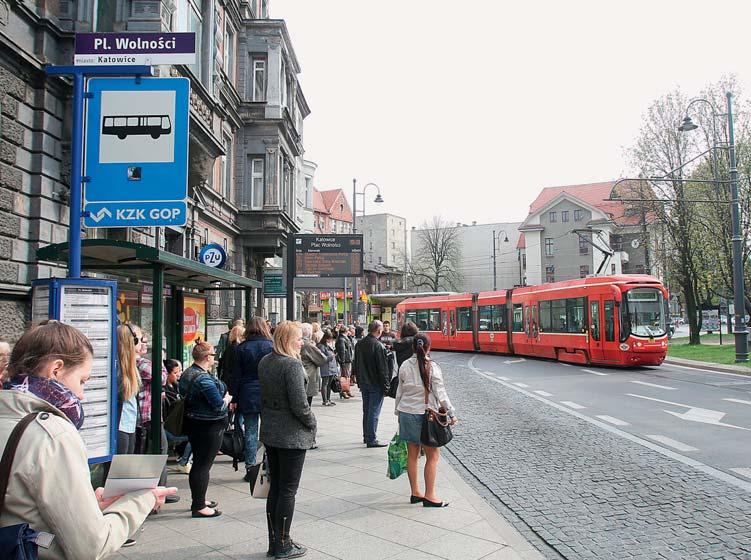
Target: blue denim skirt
410,427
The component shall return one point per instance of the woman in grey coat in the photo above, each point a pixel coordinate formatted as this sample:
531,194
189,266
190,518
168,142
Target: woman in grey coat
288,430
312,360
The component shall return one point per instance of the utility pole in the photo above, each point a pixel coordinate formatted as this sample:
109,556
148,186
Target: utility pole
495,282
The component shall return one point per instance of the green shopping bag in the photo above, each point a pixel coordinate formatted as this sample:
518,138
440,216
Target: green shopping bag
397,457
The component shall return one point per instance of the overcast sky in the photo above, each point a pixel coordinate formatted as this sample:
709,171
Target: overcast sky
468,108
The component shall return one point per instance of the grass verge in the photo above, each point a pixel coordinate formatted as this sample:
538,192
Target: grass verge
708,351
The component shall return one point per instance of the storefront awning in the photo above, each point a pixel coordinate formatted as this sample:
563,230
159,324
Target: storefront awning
138,261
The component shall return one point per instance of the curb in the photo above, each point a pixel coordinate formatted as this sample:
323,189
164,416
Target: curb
711,366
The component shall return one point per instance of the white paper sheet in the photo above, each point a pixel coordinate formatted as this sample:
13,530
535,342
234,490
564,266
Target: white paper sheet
130,473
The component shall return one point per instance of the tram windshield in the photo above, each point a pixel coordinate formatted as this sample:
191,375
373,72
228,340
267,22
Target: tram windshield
643,313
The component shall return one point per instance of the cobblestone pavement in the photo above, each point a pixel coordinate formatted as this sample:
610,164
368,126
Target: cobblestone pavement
582,491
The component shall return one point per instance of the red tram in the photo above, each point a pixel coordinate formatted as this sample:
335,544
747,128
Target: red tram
607,320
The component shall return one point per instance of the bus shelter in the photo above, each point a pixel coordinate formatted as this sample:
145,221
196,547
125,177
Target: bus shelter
168,285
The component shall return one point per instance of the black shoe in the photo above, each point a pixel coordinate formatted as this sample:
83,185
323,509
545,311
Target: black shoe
172,499
428,503
294,551
416,499
129,542
376,443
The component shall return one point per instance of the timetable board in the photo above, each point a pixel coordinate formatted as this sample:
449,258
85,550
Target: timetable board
89,306
328,256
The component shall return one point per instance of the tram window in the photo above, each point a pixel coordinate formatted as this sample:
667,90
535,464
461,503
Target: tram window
492,318
422,319
434,319
464,315
518,318
411,316
545,323
609,321
575,314
558,323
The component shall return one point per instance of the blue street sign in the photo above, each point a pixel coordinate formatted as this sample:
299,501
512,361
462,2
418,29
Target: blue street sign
136,152
213,255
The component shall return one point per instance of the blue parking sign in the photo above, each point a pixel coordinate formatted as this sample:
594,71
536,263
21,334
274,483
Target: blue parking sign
136,152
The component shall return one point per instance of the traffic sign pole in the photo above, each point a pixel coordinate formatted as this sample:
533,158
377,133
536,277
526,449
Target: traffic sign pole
79,74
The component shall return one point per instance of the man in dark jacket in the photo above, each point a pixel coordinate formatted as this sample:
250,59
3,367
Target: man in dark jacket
373,375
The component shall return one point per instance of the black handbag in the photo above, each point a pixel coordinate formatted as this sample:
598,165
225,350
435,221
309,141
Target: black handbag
18,542
336,385
436,426
233,442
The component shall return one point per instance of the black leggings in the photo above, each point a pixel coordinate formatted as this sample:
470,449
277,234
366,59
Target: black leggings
205,437
285,470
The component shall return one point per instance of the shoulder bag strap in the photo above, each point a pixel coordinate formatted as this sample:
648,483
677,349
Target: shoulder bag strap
190,384
9,454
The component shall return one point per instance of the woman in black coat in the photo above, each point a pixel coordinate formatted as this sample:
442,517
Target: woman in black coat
329,370
403,346
245,387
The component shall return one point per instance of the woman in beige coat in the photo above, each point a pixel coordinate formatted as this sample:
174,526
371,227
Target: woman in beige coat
49,486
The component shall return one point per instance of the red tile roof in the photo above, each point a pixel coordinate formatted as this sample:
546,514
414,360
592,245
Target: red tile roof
593,194
522,243
318,204
330,199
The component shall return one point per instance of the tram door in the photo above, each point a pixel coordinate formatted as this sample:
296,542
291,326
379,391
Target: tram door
452,328
595,330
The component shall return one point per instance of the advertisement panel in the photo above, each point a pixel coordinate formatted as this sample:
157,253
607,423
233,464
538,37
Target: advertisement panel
194,325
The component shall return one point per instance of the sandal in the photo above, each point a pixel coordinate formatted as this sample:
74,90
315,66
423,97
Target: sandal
212,504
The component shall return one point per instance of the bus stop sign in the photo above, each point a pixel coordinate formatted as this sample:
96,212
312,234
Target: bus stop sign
136,152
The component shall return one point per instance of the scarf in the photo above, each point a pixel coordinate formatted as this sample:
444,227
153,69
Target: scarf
52,391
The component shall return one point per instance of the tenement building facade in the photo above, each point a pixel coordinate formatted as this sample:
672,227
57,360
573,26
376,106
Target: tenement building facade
246,180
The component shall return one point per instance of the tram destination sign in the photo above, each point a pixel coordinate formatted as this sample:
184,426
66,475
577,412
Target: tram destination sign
128,49
328,256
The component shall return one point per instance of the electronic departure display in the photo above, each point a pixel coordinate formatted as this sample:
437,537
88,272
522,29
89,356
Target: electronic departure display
328,256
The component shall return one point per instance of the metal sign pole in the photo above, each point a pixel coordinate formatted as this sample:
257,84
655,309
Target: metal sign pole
79,74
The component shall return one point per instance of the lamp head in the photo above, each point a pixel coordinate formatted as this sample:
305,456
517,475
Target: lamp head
687,125
378,198
505,238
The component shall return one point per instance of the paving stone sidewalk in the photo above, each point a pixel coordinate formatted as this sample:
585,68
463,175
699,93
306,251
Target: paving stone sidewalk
346,509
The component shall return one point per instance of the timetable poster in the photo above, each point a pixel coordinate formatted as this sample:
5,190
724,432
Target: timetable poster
89,309
40,304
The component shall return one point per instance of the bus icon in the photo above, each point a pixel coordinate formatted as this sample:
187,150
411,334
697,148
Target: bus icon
123,126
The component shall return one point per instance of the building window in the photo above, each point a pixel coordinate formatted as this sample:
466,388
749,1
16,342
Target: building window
584,271
229,51
616,242
550,273
564,215
257,181
577,215
393,244
583,245
553,217
549,247
259,78
227,169
283,83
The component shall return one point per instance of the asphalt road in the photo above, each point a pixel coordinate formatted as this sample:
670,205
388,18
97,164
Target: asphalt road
700,414
607,463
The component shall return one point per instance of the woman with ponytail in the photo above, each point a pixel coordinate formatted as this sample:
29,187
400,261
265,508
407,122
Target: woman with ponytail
420,379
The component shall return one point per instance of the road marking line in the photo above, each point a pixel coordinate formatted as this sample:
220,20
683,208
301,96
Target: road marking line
614,421
593,372
573,405
739,401
520,360
715,473
743,472
504,378
543,394
655,385
522,385
672,443
564,364
695,413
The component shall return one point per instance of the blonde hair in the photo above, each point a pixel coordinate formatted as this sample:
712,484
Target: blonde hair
317,336
128,379
285,336
237,334
316,327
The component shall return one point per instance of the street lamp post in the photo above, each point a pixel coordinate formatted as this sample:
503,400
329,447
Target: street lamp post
378,200
495,239
740,330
